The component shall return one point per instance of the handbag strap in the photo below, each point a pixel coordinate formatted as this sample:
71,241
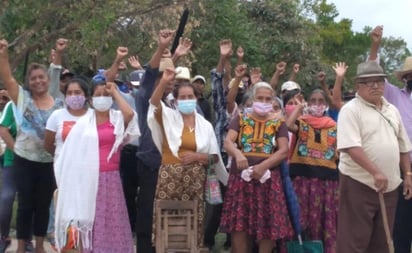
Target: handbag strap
386,223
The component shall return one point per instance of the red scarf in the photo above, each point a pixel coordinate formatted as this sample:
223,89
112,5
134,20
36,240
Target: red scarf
318,122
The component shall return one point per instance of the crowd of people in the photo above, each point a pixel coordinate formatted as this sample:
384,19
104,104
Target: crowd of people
90,158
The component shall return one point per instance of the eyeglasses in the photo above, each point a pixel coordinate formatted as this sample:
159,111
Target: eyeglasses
371,83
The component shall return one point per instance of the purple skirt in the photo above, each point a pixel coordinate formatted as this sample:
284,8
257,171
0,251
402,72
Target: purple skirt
318,201
111,230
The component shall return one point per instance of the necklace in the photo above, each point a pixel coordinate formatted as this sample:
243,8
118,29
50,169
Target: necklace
191,129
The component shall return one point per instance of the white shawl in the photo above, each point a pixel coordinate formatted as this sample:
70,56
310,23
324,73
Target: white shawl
173,126
78,165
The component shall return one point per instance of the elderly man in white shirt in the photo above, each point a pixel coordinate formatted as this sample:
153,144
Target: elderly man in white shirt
374,148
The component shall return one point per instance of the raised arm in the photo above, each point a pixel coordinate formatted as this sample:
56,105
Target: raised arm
228,73
61,45
291,120
376,38
6,76
168,76
225,49
280,70
185,44
294,72
165,37
124,107
111,73
340,70
255,76
240,53
56,67
324,85
240,71
134,62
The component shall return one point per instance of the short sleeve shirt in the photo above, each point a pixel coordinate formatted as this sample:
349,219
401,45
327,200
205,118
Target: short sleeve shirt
61,122
7,120
381,135
31,123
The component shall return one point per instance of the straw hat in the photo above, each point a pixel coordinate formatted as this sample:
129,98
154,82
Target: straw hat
406,69
166,63
183,73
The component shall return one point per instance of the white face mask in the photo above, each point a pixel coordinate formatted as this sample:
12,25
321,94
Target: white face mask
102,103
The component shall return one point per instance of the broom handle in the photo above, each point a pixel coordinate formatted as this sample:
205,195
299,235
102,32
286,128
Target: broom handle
386,223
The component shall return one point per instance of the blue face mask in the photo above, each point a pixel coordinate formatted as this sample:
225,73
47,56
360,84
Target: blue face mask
186,106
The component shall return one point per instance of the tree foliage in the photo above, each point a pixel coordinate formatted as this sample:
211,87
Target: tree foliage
295,31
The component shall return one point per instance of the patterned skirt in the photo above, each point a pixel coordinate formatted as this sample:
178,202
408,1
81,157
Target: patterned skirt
111,230
258,209
182,182
318,201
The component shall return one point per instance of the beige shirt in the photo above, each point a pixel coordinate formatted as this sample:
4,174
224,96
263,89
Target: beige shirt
380,133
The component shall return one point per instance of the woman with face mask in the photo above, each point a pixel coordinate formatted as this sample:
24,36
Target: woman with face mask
61,121
58,127
32,165
313,168
290,100
187,143
255,207
95,208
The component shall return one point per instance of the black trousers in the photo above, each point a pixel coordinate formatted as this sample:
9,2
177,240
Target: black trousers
213,214
212,220
147,180
35,185
402,231
129,176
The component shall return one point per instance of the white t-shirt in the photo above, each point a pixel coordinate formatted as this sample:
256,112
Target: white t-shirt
61,122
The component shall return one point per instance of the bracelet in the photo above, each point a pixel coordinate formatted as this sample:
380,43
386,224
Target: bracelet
408,173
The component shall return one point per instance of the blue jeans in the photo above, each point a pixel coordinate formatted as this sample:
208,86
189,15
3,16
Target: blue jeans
7,195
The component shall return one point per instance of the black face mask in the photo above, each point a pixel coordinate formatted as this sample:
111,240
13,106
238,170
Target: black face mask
409,84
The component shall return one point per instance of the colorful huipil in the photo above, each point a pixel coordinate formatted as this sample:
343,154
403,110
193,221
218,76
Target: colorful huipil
259,209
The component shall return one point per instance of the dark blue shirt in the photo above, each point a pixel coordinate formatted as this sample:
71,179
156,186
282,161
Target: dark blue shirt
333,113
219,105
147,151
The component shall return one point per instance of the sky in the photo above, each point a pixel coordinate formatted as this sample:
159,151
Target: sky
394,15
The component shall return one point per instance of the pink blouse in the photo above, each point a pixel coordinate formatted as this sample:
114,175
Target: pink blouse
106,141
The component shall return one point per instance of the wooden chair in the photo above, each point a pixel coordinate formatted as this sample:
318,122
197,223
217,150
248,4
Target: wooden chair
176,226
